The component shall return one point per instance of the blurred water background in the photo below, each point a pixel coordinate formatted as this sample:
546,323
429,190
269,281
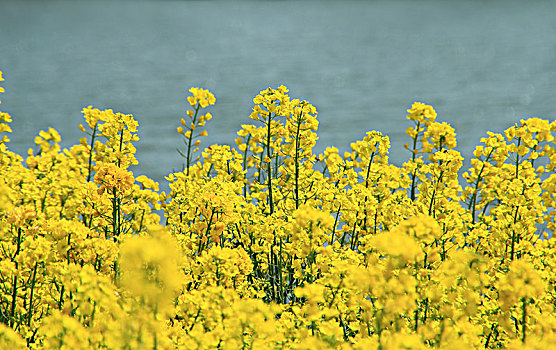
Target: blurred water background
483,65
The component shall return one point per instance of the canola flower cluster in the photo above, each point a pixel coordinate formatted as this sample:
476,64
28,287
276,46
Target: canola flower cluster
269,245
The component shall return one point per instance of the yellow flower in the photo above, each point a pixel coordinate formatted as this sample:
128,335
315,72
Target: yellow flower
149,268
422,113
522,281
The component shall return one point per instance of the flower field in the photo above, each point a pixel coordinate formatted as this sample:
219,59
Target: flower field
270,245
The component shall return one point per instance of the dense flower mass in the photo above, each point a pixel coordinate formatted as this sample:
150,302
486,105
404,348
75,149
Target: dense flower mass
270,245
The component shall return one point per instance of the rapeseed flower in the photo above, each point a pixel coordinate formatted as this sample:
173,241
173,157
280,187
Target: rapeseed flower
267,244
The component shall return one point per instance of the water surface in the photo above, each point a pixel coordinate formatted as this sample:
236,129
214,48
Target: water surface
483,65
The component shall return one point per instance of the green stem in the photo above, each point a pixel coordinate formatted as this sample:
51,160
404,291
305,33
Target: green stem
14,284
366,187
120,148
335,224
14,297
523,318
207,232
514,235
91,152
296,162
33,281
434,193
269,166
69,248
245,164
115,228
517,158
190,141
282,296
414,175
473,202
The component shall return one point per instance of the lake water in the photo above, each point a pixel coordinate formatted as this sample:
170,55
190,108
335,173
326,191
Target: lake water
483,65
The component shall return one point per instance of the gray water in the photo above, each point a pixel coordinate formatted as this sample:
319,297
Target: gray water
483,65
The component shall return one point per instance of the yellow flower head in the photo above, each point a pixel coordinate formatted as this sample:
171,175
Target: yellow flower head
422,113
149,268
203,97
111,176
439,136
522,281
